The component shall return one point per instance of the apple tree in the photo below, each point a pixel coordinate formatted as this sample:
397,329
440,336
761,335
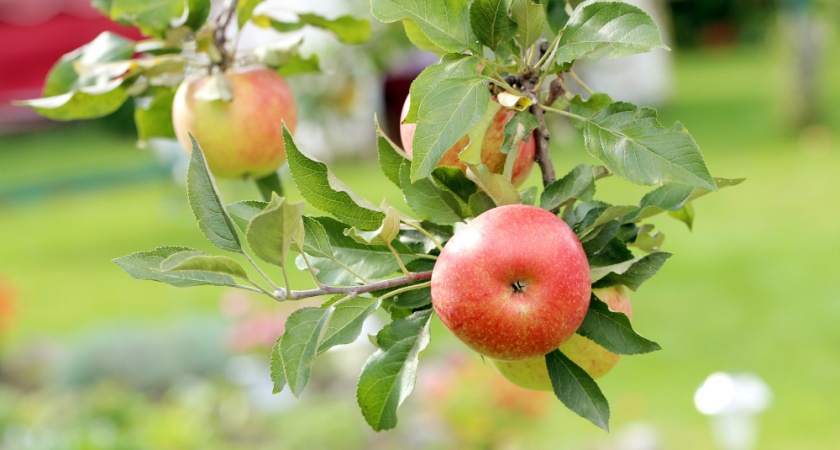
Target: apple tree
508,56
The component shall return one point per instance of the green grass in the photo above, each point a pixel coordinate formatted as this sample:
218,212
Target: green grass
752,288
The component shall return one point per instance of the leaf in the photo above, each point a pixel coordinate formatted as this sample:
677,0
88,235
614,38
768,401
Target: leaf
599,216
321,189
491,23
192,261
196,15
579,184
271,232
316,242
389,375
630,141
587,108
647,239
146,266
672,197
213,220
494,185
153,114
630,273
347,29
153,17
419,38
556,16
450,66
530,21
298,64
612,330
455,181
299,345
346,322
445,22
390,156
381,236
601,28
596,240
107,47
413,299
519,128
614,252
244,10
242,212
577,390
268,185
684,215
428,200
444,117
83,103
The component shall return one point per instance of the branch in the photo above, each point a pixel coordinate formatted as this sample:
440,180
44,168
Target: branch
219,38
355,290
541,134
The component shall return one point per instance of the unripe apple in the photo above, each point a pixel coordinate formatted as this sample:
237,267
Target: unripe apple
591,357
513,284
242,137
491,148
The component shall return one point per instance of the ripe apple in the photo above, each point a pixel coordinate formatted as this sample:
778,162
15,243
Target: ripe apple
491,153
594,359
513,284
242,137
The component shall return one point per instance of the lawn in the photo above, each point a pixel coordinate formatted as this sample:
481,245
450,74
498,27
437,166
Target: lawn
752,288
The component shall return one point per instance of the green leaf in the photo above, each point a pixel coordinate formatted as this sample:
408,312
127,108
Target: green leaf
271,232
146,266
244,10
630,273
555,12
299,345
530,21
383,235
598,216
153,17
579,184
455,181
491,23
197,14
370,261
419,38
347,29
529,196
614,252
107,47
518,128
587,108
495,185
601,28
413,299
297,64
389,375
428,200
390,156
450,66
445,22
198,262
153,114
684,215
612,330
213,220
321,189
577,390
481,202
672,197
316,242
346,322
278,372
630,141
242,212
269,185
598,238
83,103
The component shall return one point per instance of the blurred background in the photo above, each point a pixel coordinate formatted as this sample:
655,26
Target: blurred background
91,359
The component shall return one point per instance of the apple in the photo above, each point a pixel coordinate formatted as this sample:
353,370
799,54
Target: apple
594,359
513,284
491,153
242,137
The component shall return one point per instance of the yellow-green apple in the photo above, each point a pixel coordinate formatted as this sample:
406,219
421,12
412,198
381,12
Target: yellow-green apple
491,148
513,284
594,359
242,137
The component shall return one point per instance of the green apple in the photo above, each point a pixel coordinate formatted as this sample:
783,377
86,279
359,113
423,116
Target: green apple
491,148
594,359
242,137
513,284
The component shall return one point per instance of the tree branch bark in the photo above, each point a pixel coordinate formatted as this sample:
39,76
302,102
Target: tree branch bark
331,290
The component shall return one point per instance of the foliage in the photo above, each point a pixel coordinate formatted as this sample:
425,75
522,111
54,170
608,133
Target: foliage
365,257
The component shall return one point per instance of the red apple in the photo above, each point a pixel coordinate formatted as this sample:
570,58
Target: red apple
242,137
594,359
491,153
513,284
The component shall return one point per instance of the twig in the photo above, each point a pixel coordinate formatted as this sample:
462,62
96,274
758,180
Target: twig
428,235
219,38
541,134
330,290
580,82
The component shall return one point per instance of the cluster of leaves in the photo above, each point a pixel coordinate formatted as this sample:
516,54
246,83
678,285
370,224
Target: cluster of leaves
99,77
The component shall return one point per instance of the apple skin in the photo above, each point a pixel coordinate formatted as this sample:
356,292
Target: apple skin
594,359
473,283
243,137
491,154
